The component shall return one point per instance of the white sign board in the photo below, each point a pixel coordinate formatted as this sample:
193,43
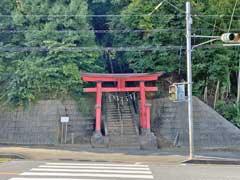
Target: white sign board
181,92
64,119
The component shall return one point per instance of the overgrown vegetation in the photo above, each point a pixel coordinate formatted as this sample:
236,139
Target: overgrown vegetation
40,56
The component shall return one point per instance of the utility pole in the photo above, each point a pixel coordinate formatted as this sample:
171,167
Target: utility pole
189,77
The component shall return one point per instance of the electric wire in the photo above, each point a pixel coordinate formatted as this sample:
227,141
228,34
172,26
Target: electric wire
115,49
117,15
9,31
230,24
84,15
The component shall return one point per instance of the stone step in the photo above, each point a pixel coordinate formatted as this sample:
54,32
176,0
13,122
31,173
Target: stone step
121,121
124,130
112,107
123,138
111,124
116,122
119,126
124,119
169,110
122,134
117,112
119,118
124,141
168,115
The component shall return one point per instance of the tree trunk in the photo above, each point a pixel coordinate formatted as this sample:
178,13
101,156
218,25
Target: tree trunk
229,83
216,94
223,93
238,86
205,95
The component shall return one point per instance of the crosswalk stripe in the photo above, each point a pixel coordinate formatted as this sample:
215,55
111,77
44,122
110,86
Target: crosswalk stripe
91,170
97,164
51,179
88,175
94,167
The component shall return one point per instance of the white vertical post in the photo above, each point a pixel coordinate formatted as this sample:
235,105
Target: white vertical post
62,133
66,129
189,76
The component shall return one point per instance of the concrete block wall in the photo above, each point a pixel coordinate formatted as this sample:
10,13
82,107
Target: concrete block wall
81,126
211,130
40,124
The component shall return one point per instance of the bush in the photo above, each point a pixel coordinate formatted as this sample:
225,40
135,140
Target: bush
231,111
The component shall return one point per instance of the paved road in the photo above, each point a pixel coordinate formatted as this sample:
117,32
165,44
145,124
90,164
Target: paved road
76,170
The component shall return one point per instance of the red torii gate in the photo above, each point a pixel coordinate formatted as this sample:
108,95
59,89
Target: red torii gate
121,80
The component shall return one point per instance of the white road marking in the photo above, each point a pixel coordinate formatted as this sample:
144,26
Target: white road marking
97,164
93,167
90,170
81,171
88,175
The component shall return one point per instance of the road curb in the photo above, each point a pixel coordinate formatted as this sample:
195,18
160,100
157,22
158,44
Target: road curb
213,161
12,156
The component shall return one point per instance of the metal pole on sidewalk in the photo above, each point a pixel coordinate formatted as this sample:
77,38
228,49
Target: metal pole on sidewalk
189,77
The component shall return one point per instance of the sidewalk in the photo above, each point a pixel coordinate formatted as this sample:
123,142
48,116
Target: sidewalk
89,154
86,153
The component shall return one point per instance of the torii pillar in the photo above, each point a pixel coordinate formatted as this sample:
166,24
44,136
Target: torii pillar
121,79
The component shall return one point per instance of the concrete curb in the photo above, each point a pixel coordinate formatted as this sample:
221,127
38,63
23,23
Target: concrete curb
12,156
213,161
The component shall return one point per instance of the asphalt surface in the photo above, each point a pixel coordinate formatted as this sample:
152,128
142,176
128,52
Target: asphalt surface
89,170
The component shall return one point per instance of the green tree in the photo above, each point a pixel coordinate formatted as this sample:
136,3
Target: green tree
50,69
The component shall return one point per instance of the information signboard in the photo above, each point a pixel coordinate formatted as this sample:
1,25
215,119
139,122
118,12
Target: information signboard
64,119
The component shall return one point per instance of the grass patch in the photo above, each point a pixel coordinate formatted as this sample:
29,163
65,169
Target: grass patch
2,160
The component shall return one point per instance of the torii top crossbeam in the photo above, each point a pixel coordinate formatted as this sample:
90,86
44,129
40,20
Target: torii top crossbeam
94,77
121,80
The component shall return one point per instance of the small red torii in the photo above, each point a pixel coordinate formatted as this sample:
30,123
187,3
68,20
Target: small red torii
121,80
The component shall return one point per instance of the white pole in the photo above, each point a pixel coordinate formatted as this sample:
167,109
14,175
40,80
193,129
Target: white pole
66,129
189,76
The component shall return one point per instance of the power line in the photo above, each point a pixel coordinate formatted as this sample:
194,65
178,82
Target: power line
234,8
89,30
214,26
8,31
87,15
117,15
87,49
215,15
116,49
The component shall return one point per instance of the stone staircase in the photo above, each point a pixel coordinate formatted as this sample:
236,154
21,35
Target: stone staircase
121,127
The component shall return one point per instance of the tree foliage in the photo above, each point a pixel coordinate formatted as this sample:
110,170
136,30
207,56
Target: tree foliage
50,73
53,71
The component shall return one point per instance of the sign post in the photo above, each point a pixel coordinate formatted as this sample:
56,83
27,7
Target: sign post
64,120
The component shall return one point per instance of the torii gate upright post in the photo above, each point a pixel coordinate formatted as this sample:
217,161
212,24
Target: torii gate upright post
98,107
143,102
146,136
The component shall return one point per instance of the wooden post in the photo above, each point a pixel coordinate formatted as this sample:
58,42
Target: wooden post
98,107
143,101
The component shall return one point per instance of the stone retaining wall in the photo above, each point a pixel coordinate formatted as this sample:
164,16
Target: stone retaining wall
211,130
40,124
